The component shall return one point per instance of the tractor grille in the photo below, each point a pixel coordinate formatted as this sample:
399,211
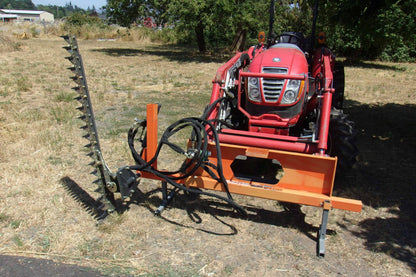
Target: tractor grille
273,87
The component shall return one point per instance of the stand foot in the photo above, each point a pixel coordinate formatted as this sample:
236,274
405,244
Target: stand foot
166,198
322,233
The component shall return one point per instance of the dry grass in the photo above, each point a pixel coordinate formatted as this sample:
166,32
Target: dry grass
8,43
41,143
13,36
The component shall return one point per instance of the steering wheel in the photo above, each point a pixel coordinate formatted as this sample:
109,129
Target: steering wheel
290,35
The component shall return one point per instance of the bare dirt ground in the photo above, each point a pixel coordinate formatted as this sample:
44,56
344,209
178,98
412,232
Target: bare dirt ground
41,155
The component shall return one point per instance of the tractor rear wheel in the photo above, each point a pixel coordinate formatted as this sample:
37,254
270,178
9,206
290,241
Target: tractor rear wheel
342,140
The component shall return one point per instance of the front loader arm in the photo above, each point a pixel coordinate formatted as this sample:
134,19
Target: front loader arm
225,78
327,91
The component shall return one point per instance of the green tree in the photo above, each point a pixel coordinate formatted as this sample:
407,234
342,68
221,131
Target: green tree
158,10
126,12
59,11
210,23
355,28
17,4
217,23
194,16
371,28
295,16
248,19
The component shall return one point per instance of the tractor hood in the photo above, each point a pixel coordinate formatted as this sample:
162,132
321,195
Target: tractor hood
273,97
282,55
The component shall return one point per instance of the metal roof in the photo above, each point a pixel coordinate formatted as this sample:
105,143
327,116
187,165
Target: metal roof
20,11
8,15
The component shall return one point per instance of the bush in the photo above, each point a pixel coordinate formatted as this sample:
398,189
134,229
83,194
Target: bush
400,53
80,19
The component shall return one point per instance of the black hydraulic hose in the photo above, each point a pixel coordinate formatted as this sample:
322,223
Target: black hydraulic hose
209,108
202,144
200,128
231,202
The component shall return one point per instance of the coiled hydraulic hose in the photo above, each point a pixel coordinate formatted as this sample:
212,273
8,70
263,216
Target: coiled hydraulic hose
195,160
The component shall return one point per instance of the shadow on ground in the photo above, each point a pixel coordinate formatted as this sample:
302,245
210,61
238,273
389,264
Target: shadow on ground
290,217
176,53
92,206
385,177
372,65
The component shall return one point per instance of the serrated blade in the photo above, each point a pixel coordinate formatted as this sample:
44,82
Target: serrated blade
105,181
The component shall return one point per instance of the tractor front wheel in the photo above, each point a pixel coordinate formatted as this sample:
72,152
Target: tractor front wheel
342,139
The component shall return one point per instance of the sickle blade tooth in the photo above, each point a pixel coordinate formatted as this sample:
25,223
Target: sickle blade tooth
71,59
91,144
66,38
77,88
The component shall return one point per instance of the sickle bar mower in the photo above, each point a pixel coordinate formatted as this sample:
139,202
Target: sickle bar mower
268,132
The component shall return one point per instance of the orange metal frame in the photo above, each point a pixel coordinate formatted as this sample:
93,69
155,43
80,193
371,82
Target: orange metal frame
308,179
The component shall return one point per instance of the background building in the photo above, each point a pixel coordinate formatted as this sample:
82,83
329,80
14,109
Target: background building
25,15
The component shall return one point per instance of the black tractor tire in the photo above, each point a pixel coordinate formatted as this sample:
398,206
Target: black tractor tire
342,141
338,85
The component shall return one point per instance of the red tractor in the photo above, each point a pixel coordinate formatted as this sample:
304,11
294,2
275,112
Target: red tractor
272,97
274,129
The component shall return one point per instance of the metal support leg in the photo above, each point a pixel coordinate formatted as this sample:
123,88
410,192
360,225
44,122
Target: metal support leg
165,198
322,232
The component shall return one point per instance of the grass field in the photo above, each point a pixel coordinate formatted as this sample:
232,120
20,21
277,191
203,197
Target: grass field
41,144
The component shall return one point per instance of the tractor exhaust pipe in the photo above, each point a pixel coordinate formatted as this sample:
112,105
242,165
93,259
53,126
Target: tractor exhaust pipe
271,23
315,16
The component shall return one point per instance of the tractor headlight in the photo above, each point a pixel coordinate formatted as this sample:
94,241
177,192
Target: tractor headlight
292,91
289,97
254,89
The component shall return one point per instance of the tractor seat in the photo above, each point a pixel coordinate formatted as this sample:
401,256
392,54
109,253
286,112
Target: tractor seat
294,38
286,45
